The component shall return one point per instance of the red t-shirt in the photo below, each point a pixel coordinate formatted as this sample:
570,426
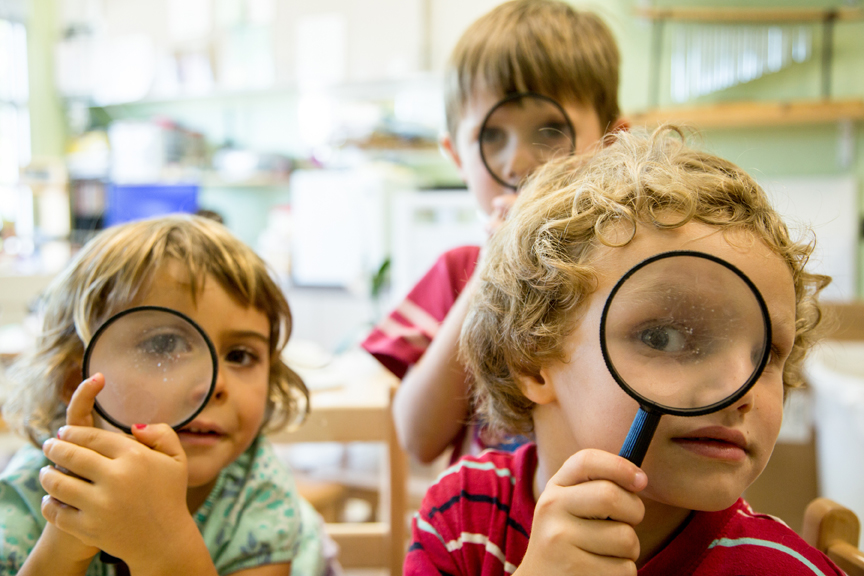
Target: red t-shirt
476,521
401,338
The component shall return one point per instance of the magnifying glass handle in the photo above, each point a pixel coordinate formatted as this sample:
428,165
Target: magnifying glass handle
640,435
109,559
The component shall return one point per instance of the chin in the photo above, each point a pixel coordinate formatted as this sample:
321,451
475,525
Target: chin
704,496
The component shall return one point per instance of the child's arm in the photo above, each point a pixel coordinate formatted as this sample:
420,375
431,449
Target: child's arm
432,404
129,498
585,519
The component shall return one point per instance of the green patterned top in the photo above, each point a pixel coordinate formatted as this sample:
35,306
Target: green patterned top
252,517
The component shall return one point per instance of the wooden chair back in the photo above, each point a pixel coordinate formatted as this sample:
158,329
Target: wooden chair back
364,544
834,529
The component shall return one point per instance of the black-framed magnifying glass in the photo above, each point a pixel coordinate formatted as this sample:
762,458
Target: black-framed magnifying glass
522,132
159,367
684,333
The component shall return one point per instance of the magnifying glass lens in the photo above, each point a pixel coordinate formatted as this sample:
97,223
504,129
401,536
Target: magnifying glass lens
158,368
685,333
521,133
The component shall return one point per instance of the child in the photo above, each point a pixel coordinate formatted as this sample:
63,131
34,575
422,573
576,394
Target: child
211,498
567,504
540,46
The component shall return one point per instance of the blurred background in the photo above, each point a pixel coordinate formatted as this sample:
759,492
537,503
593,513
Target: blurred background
310,128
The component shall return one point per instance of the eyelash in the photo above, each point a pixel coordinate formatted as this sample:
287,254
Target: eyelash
252,356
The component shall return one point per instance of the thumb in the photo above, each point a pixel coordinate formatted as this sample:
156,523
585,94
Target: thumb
160,437
80,409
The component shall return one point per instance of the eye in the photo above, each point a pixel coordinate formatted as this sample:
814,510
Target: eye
165,344
242,357
664,338
491,136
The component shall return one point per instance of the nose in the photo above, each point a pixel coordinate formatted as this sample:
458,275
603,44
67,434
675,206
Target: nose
520,163
220,389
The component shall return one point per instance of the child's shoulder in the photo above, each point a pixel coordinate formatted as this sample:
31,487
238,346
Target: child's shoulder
504,479
765,543
480,506
22,471
456,263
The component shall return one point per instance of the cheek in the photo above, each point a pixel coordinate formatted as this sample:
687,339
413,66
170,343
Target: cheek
598,411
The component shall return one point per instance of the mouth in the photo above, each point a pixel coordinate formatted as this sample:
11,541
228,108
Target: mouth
200,432
716,442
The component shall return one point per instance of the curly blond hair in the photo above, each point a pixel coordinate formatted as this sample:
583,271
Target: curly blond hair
106,275
544,46
537,272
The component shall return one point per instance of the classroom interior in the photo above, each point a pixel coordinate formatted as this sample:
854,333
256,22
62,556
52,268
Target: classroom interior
311,129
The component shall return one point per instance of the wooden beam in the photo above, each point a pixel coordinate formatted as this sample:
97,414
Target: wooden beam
750,15
753,114
361,545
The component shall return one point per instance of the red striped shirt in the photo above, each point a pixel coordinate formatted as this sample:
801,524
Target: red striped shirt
476,520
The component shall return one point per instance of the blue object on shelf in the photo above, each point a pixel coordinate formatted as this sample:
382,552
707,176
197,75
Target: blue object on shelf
127,202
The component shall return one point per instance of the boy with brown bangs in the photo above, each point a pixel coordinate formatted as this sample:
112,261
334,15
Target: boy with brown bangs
534,47
567,503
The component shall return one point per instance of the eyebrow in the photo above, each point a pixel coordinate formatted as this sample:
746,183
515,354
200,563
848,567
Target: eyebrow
253,334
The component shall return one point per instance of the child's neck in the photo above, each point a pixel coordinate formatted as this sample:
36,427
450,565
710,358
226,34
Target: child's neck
661,524
197,495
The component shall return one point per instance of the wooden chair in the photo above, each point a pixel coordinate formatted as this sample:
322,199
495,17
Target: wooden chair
364,544
834,529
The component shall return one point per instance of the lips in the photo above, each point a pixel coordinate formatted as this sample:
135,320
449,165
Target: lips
715,442
201,430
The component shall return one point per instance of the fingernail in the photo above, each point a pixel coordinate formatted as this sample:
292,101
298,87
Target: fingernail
47,444
640,480
139,426
61,431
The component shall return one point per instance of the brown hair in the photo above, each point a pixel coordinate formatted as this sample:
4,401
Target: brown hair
107,275
542,46
538,273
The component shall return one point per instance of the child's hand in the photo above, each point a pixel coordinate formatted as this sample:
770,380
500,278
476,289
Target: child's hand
126,496
584,520
500,207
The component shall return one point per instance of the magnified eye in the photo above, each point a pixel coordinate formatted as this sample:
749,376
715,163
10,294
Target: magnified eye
165,344
492,137
664,338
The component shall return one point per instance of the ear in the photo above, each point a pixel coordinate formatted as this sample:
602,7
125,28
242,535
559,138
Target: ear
620,125
70,383
537,387
449,148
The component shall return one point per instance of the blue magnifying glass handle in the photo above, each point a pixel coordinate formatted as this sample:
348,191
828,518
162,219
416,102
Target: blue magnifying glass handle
640,435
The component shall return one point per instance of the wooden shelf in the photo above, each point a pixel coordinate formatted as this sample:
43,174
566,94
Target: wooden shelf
754,114
750,15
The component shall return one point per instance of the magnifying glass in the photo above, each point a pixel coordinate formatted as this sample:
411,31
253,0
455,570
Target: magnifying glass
684,333
159,367
522,132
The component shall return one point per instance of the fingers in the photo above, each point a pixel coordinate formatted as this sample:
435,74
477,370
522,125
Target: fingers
160,437
611,539
587,465
67,491
500,207
596,485
86,439
80,409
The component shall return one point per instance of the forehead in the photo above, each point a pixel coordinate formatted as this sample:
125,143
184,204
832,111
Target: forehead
481,102
206,300
743,249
